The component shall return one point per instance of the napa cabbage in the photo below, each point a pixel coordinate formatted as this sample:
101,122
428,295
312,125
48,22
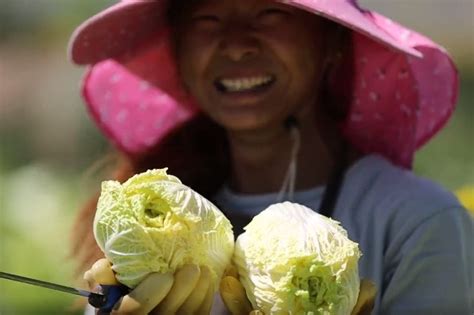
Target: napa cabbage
154,223
292,260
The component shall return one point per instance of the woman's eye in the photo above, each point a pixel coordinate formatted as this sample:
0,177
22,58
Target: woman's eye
206,18
272,15
273,11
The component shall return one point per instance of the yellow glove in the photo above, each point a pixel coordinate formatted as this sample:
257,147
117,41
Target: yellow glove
188,291
236,301
366,299
233,294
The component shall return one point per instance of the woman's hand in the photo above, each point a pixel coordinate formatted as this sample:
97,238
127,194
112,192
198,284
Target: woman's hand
366,299
188,291
233,294
235,299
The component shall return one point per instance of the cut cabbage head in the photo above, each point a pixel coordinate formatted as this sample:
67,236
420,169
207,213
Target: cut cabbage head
292,260
154,223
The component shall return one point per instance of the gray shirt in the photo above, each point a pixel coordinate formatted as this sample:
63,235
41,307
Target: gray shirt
417,240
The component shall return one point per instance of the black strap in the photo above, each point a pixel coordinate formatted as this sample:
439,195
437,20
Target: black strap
334,185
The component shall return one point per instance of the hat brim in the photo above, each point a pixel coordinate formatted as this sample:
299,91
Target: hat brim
405,86
118,28
115,30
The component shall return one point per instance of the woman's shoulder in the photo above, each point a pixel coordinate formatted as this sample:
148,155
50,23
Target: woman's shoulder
385,187
383,202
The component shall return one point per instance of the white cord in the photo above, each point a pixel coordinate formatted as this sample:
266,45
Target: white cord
288,186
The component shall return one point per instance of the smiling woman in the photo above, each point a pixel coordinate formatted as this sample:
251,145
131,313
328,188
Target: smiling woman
319,102
250,66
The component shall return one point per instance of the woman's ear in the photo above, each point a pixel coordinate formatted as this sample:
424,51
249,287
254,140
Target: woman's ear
337,72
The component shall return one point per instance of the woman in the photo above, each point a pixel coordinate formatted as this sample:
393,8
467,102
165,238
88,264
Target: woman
320,102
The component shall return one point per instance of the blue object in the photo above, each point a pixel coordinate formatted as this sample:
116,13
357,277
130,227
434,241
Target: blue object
113,293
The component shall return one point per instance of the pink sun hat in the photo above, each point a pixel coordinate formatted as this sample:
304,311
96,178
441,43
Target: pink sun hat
405,86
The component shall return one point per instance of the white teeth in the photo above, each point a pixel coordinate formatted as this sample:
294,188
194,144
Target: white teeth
237,85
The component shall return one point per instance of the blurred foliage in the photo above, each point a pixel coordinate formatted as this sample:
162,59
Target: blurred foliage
34,233
449,157
41,181
47,142
466,197
52,19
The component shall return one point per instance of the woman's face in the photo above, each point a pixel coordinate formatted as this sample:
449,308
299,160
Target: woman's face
250,63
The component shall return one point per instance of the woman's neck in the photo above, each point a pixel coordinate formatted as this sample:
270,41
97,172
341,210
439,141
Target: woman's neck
260,159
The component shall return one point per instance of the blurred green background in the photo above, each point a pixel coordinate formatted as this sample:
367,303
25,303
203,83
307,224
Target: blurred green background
47,142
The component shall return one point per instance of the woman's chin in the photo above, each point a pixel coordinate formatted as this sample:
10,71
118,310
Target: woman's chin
251,125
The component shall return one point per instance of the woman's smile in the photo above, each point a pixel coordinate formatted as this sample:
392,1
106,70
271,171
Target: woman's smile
239,85
234,91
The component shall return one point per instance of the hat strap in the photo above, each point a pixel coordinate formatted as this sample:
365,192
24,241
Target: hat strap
288,186
333,187
334,184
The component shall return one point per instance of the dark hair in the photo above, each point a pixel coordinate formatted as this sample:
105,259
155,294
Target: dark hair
337,83
176,8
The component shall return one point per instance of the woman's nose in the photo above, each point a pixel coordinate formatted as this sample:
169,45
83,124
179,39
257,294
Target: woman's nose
239,43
